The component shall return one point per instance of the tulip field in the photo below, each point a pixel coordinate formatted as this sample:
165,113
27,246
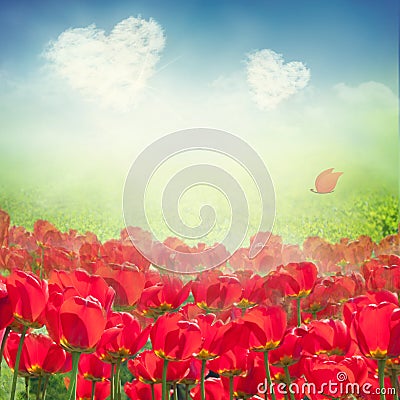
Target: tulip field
88,319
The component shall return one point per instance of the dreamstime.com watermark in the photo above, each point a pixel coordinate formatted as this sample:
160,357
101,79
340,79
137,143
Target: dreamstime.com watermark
333,388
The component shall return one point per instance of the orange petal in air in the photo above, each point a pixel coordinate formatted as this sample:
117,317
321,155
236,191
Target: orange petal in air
326,181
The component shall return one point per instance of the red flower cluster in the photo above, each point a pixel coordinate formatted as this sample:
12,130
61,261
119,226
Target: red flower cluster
221,335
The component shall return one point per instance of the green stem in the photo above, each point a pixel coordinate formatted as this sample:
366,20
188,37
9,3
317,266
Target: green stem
27,386
72,383
395,383
186,392
202,385
288,381
314,315
381,375
153,396
93,390
3,344
39,386
112,382
46,383
298,302
117,382
175,392
17,360
41,264
164,380
268,374
231,387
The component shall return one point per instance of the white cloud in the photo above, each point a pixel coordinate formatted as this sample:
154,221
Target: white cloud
271,80
109,69
370,93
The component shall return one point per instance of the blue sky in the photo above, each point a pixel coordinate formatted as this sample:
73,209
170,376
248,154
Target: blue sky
350,41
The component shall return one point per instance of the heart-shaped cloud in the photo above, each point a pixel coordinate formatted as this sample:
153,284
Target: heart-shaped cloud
109,69
271,80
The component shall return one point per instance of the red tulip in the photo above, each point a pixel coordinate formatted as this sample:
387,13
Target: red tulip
249,384
213,339
191,311
6,310
174,254
40,355
44,356
379,274
326,255
253,289
56,258
378,262
214,292
153,278
356,251
174,338
193,375
92,368
120,251
166,295
84,389
231,314
4,228
322,370
359,302
343,287
266,327
333,311
213,343
390,259
46,234
329,336
271,254
15,258
80,283
214,390
290,350
76,323
377,328
231,363
89,256
295,279
148,367
291,253
317,300
10,354
127,281
122,340
137,390
240,260
28,297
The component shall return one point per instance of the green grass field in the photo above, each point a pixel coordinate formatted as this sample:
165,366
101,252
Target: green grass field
373,213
